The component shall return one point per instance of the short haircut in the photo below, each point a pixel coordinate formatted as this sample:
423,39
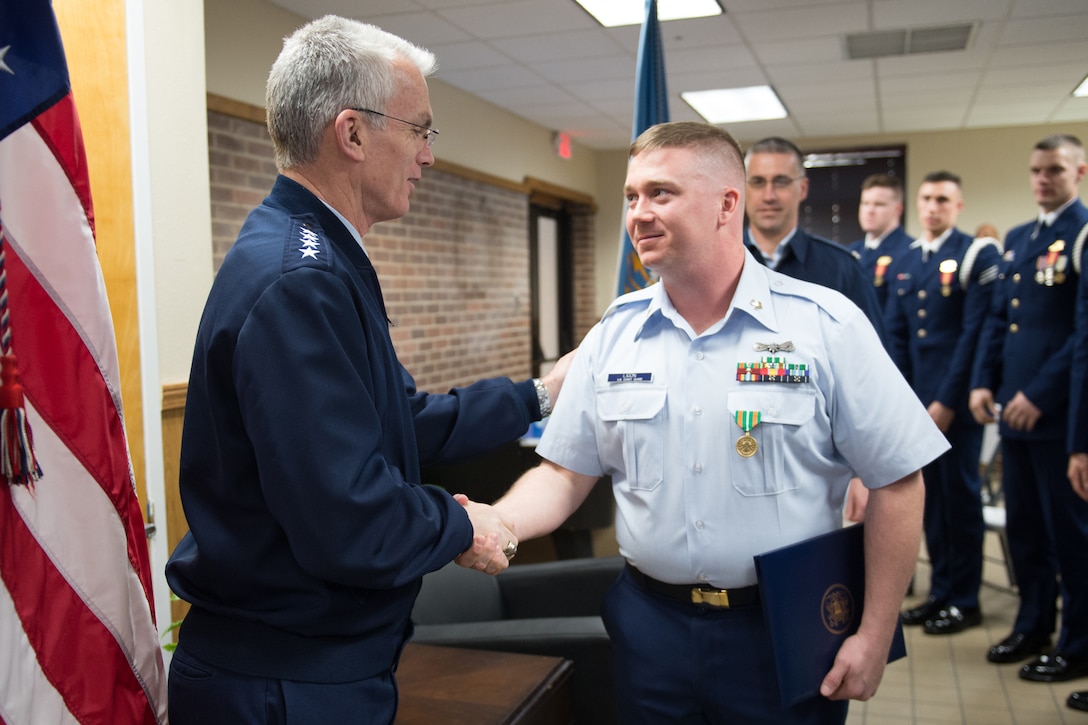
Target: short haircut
1057,140
1063,140
935,177
326,66
777,145
695,135
884,181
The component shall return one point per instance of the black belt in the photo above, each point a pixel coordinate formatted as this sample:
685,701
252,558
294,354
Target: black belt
698,593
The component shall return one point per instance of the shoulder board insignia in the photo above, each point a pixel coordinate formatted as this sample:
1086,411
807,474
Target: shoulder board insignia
306,245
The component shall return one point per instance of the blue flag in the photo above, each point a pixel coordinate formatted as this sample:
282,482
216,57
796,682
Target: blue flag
651,108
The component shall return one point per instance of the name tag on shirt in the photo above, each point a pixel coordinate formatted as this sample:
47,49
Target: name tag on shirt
630,377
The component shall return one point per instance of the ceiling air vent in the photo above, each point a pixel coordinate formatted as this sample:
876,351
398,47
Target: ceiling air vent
882,43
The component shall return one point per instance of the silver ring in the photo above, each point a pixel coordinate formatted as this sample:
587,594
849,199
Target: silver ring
510,549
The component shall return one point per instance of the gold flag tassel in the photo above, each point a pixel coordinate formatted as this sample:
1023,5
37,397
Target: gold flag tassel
18,463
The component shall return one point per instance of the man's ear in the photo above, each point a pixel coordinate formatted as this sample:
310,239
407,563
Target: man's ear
351,134
730,203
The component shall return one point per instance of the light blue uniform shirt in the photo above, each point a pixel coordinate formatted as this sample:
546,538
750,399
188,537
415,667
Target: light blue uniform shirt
652,404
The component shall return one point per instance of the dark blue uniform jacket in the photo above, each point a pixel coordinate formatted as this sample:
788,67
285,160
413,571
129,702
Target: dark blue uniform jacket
1027,340
933,323
301,453
818,260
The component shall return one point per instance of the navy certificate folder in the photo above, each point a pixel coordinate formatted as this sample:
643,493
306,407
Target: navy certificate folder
812,594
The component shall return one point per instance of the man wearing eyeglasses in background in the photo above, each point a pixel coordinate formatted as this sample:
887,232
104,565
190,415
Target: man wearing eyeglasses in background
303,435
776,187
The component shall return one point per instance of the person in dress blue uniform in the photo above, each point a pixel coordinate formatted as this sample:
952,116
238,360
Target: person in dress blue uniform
777,185
303,436
879,213
939,297
1078,425
710,467
1024,364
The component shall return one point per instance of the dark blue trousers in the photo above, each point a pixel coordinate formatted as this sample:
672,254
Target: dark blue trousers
201,694
682,663
953,522
1047,526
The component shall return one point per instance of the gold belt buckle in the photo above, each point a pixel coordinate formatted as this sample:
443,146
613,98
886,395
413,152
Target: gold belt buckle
712,597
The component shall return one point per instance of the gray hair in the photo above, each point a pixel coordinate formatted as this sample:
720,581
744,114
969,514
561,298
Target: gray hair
326,66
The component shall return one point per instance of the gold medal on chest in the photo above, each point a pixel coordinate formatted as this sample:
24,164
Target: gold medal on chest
747,446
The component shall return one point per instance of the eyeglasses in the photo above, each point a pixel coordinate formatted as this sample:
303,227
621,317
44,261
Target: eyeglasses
778,182
429,135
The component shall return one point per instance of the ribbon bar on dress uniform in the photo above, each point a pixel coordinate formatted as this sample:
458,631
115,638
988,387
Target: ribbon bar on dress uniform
772,370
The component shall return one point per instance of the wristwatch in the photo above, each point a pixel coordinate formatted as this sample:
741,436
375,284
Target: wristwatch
542,397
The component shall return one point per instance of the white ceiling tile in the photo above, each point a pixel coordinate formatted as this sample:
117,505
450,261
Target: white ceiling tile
549,46
1040,8
1036,55
518,18
927,13
933,119
1053,29
613,67
816,50
467,54
480,79
962,82
804,22
423,29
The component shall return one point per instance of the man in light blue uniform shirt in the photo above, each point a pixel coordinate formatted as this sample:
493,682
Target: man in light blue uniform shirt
712,462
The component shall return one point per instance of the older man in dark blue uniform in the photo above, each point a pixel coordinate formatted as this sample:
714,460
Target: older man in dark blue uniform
303,436
776,187
885,242
1024,366
938,300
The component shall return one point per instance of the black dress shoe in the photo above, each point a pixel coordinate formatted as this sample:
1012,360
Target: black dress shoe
1078,701
1018,646
919,614
953,619
1054,667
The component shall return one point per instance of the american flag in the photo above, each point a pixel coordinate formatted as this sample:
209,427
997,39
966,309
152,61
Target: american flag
78,640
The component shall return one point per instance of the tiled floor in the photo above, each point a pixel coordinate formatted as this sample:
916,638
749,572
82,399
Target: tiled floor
946,680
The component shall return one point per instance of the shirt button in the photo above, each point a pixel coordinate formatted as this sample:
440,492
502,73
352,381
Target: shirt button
698,468
702,577
699,356
1014,328
1015,303
1016,278
696,410
922,332
699,525
921,294
922,314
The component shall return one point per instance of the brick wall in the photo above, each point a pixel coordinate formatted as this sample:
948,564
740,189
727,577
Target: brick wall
454,271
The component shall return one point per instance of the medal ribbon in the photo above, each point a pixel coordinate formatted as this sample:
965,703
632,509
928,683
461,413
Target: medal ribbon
748,419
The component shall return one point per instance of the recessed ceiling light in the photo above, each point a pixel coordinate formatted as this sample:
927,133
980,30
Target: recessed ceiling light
612,13
1082,89
736,105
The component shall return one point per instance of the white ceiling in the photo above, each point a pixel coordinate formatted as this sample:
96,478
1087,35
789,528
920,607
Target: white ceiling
550,62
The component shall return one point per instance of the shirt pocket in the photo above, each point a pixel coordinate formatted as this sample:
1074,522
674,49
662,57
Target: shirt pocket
782,443
635,414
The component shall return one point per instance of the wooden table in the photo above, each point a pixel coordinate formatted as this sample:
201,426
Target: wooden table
456,686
